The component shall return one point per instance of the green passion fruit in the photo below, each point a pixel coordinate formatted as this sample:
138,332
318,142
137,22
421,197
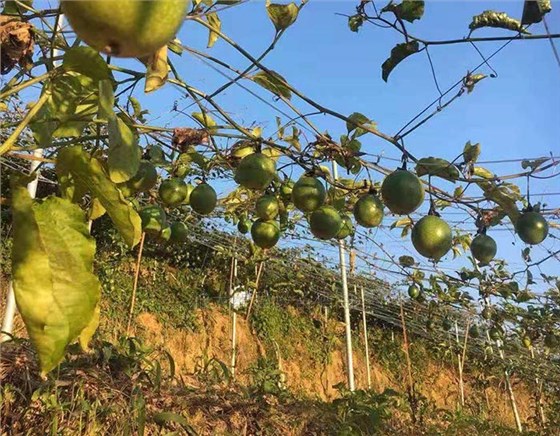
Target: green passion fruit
431,237
483,248
402,192
474,331
255,171
308,194
265,234
286,191
487,313
144,179
173,191
325,222
346,229
203,199
153,219
413,292
532,228
125,28
244,225
495,333
368,211
179,232
267,207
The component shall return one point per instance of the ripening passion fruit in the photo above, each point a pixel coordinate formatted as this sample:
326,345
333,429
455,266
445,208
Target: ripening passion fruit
203,199
125,28
153,219
402,192
179,232
413,292
244,225
325,222
368,211
267,207
255,171
431,237
346,229
483,248
308,194
144,179
532,228
173,191
265,234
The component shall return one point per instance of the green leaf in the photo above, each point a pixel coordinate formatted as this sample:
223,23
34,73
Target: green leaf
398,54
282,16
496,19
87,61
157,70
471,152
471,80
483,173
163,419
88,173
96,210
273,82
216,24
408,10
357,119
90,329
534,164
437,167
106,100
205,119
535,10
124,153
355,22
505,195
55,289
406,261
71,106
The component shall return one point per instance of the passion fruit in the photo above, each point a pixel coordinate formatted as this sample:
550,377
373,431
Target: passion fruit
551,340
244,225
446,324
125,28
413,292
267,207
179,232
532,228
402,192
173,191
483,248
265,234
474,331
203,199
308,194
346,229
431,237
144,179
487,313
153,219
368,211
325,222
495,333
255,171
286,191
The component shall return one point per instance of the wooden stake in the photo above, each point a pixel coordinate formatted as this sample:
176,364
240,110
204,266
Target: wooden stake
135,285
232,278
411,393
511,395
253,296
366,345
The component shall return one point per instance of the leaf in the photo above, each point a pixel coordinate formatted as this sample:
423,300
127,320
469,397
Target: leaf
55,289
87,61
157,70
282,16
205,119
106,100
398,54
471,80
163,419
406,261
88,173
534,164
175,46
96,210
216,24
471,152
402,222
273,82
124,153
71,106
483,173
505,195
89,330
408,10
355,22
357,119
437,167
535,10
496,19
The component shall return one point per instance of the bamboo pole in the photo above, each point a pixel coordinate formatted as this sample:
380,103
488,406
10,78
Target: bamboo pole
366,345
346,303
411,393
232,279
254,294
510,392
460,367
539,392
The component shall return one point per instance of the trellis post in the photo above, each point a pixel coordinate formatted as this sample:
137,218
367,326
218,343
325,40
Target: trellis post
232,279
346,302
366,345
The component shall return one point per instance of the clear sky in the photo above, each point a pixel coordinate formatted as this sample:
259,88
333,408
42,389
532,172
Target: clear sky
516,115
513,116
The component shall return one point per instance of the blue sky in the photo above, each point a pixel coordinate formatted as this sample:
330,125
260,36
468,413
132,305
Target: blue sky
516,115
